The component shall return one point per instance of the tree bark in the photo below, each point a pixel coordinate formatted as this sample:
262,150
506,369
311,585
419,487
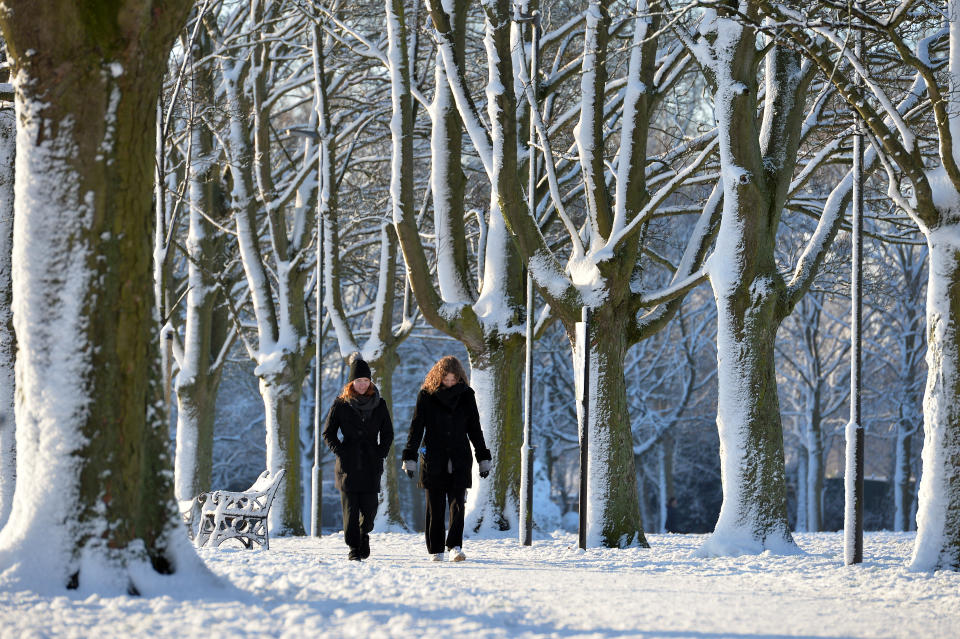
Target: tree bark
100,512
938,516
752,298
493,502
281,363
802,471
390,511
205,326
748,418
814,452
613,503
665,450
489,323
8,340
281,390
903,466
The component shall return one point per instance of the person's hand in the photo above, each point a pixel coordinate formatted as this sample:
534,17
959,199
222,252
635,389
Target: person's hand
409,467
484,468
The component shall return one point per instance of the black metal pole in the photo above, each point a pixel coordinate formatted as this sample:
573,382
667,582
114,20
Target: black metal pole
584,426
316,492
853,477
316,485
527,452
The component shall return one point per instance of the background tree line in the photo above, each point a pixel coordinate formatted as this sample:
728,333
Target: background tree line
662,147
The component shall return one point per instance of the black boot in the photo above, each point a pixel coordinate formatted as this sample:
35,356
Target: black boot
355,555
365,546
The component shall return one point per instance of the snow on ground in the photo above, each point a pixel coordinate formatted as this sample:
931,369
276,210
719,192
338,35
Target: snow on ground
305,587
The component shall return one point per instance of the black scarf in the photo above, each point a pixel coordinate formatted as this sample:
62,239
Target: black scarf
449,396
365,404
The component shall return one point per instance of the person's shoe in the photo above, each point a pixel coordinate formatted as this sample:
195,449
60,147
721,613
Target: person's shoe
438,557
365,546
354,555
457,554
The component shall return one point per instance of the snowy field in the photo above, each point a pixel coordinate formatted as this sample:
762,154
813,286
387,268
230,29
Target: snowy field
306,588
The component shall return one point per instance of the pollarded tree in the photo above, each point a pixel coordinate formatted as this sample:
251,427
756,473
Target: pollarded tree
208,334
762,169
97,511
380,347
603,271
488,321
274,212
927,40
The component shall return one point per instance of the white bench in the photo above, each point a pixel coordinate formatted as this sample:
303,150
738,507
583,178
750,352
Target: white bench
214,517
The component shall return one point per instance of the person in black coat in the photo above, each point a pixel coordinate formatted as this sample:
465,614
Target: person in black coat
359,432
445,421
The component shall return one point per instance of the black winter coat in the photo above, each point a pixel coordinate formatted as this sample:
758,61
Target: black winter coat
360,445
446,422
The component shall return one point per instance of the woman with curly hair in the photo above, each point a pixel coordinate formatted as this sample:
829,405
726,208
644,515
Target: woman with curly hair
446,422
359,432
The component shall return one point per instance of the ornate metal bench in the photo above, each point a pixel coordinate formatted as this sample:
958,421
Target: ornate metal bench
214,517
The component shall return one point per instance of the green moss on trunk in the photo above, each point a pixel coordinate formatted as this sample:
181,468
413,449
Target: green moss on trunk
89,79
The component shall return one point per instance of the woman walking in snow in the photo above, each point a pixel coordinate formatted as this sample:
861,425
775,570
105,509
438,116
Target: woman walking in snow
359,432
446,422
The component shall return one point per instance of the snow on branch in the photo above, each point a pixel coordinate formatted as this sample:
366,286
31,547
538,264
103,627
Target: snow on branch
675,290
658,198
476,129
549,163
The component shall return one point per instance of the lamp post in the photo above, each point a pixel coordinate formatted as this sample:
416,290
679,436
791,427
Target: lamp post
316,488
853,477
583,344
527,450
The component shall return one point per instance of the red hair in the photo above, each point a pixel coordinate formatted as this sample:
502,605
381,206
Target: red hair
349,392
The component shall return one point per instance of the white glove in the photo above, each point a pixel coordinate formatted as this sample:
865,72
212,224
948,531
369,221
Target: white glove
485,468
409,467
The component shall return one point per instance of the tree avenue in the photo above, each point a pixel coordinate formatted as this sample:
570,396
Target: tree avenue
94,501
922,161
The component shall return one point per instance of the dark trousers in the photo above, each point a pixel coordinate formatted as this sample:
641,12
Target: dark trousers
437,501
359,511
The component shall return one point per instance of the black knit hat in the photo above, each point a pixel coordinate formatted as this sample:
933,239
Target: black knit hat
359,368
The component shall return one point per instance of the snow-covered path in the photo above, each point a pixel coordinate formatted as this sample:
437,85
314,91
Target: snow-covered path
306,588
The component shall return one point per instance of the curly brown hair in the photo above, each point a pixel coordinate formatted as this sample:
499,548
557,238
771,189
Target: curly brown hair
349,392
447,364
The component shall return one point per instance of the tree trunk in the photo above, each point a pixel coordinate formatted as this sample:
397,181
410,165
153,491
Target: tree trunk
204,332
902,493
803,457
665,450
281,400
938,516
193,463
492,503
390,511
490,324
751,296
814,450
754,514
613,508
99,513
281,365
8,341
